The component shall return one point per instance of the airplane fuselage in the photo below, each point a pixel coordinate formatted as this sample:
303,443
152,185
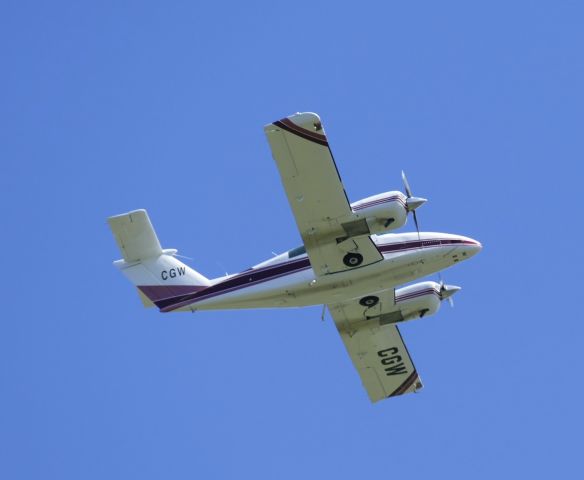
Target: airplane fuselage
291,282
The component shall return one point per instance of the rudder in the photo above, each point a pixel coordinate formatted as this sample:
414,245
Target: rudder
156,272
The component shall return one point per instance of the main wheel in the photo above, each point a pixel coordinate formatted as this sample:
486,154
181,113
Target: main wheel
369,301
353,259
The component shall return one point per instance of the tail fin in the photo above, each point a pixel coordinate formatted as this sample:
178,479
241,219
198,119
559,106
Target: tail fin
156,273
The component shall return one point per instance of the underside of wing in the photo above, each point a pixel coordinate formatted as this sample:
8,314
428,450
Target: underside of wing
317,197
376,347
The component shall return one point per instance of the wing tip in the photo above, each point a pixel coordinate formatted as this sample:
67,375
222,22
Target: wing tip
306,125
411,384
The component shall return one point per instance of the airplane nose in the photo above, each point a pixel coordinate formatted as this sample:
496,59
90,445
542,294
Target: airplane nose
473,247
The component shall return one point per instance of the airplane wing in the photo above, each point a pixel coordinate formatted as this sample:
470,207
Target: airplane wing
317,196
376,347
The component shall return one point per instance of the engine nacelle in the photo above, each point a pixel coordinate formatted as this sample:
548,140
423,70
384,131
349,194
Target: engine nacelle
382,212
418,300
414,301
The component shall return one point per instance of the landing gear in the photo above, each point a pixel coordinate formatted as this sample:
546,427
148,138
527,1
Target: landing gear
369,301
353,259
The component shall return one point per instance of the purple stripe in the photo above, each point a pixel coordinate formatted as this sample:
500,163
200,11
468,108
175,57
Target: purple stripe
255,276
420,293
406,385
160,292
428,243
184,303
416,295
380,199
311,136
379,202
301,258
245,279
291,127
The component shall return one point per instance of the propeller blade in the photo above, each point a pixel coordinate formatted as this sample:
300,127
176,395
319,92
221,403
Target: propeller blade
416,223
444,289
412,202
406,185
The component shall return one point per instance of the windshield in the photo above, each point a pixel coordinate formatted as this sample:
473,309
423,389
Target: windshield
296,251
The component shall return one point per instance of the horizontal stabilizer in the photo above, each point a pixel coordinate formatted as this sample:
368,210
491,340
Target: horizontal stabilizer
135,235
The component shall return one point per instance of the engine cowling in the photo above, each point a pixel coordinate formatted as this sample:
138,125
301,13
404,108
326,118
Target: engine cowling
414,301
418,300
382,212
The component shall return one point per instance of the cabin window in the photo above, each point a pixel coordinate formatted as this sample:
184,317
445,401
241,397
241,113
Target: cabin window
297,251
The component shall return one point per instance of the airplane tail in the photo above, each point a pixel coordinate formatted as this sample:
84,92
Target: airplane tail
157,273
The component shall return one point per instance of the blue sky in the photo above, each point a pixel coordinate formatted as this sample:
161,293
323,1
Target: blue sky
112,106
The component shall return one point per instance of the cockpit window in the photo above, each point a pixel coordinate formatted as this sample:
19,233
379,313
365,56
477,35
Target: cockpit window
296,251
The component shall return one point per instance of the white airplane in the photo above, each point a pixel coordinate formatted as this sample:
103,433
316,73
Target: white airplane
348,261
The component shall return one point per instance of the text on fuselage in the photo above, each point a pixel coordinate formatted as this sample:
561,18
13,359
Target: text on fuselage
172,273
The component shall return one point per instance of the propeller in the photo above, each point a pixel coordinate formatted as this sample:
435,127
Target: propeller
412,203
447,291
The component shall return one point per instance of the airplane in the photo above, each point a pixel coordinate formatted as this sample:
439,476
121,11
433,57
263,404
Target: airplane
348,261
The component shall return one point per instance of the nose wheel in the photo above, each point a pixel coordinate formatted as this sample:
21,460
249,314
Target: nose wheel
353,259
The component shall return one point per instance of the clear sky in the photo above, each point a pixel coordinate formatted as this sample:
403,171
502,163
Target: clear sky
111,106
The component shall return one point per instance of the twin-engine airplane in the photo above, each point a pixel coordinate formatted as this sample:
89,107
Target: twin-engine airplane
348,261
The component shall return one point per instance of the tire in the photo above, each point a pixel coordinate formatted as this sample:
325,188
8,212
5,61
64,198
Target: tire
353,259
369,301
